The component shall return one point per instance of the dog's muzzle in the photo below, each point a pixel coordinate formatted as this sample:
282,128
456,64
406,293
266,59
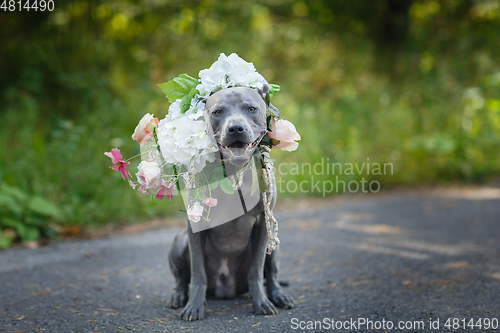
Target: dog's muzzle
238,152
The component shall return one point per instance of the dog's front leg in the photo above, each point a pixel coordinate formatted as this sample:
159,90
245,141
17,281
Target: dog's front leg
261,304
195,306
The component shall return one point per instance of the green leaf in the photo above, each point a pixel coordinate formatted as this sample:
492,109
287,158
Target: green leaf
213,185
30,234
8,203
272,110
178,87
11,223
43,207
255,182
269,121
177,184
186,100
268,159
197,192
262,182
260,175
226,186
273,89
214,177
34,220
14,192
274,142
217,174
266,141
5,241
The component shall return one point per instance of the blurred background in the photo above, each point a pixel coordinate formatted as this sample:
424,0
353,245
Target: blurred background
412,83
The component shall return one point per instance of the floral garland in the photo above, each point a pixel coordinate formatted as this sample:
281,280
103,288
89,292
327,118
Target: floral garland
177,151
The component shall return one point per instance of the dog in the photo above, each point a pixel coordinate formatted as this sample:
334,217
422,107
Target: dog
230,259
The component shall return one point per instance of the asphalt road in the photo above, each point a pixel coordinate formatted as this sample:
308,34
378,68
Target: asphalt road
407,258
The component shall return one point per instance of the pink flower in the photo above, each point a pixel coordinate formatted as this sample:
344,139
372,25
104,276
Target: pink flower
285,132
210,202
194,212
118,163
132,184
142,189
165,190
149,174
145,129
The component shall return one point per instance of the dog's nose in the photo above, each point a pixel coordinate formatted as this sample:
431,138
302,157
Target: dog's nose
236,129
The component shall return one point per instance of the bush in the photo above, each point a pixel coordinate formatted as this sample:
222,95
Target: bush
25,217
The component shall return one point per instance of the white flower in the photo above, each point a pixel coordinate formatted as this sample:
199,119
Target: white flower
194,212
144,130
229,72
175,109
183,140
285,132
149,175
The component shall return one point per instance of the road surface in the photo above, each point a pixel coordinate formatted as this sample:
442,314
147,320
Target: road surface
413,260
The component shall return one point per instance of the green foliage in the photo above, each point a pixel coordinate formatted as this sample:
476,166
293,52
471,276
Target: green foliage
272,110
186,100
412,83
273,89
182,87
179,87
25,217
226,186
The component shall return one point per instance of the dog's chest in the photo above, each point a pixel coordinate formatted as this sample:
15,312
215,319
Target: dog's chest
231,238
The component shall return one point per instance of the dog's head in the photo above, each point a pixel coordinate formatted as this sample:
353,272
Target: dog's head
236,121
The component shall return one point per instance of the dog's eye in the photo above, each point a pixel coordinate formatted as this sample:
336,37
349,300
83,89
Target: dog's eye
251,109
217,112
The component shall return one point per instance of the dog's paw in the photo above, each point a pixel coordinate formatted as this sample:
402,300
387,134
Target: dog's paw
179,299
194,310
280,299
263,306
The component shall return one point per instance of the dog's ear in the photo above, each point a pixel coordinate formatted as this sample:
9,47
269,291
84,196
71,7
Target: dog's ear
263,92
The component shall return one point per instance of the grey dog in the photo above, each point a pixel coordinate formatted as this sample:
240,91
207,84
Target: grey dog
229,259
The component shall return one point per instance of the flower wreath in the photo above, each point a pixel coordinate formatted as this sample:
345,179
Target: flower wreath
177,151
